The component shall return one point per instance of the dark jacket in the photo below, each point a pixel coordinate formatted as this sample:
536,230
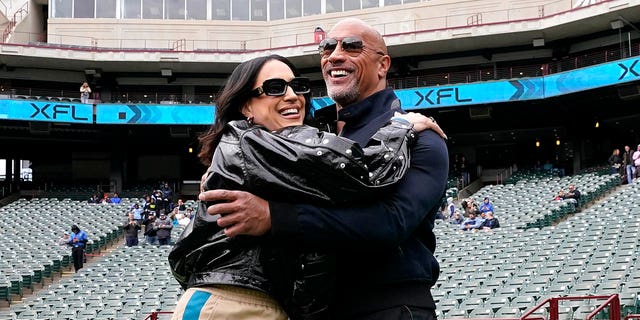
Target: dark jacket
298,163
385,248
131,229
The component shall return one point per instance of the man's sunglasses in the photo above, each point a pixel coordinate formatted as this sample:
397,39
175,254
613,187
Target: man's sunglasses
278,87
351,45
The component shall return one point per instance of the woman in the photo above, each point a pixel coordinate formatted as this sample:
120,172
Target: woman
85,90
241,275
615,161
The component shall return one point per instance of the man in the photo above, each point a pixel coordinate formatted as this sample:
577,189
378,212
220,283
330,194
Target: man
470,223
77,241
131,228
150,230
573,195
385,261
164,226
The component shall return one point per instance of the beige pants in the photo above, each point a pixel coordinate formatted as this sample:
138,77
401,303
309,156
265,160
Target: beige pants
227,303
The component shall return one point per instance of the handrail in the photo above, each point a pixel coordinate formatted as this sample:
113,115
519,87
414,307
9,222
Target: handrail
632,316
612,300
22,11
614,313
154,315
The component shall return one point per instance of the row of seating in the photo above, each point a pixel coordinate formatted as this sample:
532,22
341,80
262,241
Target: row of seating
128,283
511,269
29,252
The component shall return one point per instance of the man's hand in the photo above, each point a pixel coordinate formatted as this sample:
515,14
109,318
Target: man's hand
241,212
421,122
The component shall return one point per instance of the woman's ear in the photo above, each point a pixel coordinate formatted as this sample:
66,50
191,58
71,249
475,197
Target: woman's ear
246,111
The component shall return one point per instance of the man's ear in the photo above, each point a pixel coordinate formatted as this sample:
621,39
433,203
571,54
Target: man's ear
383,67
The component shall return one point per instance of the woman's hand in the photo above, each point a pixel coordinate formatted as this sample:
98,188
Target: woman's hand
421,122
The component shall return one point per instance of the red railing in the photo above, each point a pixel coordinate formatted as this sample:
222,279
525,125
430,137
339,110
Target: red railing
612,301
17,17
154,315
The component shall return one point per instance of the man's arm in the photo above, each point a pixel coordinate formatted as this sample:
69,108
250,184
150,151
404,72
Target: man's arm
387,221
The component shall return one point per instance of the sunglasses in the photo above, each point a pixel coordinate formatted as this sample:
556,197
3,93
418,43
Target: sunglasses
351,45
278,87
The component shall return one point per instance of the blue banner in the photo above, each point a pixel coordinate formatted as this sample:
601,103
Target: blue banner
479,93
592,77
46,111
154,114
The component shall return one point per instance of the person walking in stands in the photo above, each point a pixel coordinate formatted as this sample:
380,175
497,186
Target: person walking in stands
85,91
131,228
627,161
385,247
164,226
77,240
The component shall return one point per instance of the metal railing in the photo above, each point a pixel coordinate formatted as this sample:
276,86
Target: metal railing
612,301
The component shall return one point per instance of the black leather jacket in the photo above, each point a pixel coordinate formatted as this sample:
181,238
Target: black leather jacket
295,164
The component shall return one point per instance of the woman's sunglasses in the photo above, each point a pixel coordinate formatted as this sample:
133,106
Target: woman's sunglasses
278,87
351,45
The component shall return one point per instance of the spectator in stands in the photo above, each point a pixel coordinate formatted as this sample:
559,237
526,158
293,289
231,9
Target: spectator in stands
94,199
64,240
470,207
150,229
636,162
182,208
285,96
85,91
457,218
78,241
116,198
490,222
174,216
167,197
615,161
559,196
573,195
470,223
450,209
486,206
131,228
164,229
137,213
160,203
151,207
627,162
105,199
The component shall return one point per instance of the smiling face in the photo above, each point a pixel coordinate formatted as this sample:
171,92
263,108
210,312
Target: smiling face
353,76
275,112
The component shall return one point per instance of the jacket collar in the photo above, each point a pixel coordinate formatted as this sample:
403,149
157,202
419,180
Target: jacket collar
364,118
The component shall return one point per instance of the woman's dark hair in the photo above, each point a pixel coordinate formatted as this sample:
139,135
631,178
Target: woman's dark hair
232,97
